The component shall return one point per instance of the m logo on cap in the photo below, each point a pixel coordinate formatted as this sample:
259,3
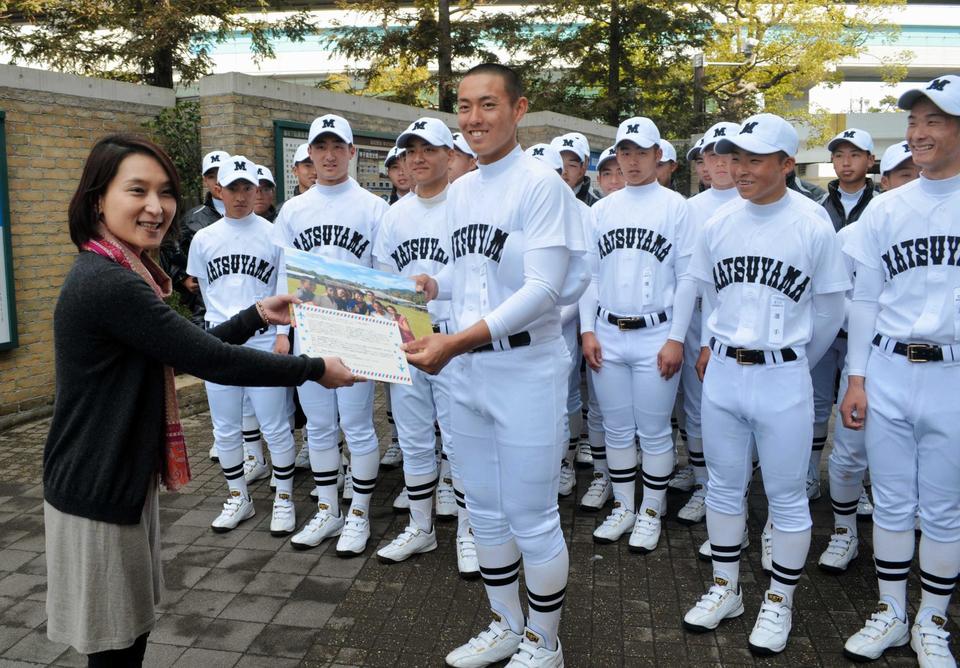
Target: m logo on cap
720,132
259,171
849,133
568,142
633,129
938,84
748,127
328,123
420,125
240,165
906,148
214,158
538,151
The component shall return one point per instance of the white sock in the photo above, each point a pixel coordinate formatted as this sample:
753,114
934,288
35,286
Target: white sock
656,471
623,475
789,554
252,445
500,569
892,554
726,535
697,461
420,489
231,461
364,468
939,565
598,450
325,465
546,585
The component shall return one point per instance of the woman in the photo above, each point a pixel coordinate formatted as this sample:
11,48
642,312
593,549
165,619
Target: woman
406,333
115,427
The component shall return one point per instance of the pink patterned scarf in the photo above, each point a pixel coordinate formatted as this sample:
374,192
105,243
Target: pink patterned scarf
176,467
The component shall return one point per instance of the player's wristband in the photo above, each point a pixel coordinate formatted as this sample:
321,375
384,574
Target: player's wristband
263,313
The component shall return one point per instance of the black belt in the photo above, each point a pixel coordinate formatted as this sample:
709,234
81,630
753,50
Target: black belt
747,357
914,352
634,322
842,334
515,340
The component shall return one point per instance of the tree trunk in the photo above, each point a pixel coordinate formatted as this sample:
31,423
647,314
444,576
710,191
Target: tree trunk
162,73
613,66
445,94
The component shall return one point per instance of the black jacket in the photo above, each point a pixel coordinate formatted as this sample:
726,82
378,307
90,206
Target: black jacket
834,206
112,338
585,194
196,219
805,188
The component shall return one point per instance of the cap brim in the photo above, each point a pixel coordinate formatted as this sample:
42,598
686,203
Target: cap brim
747,143
233,178
834,143
405,138
330,132
637,143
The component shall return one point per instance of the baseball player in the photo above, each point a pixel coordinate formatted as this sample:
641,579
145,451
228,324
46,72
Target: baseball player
695,159
510,370
236,263
413,240
338,219
464,159
609,176
772,278
303,169
265,204
667,165
395,170
897,167
904,347
641,244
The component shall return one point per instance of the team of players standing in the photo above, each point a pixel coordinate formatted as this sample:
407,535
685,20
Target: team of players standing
741,308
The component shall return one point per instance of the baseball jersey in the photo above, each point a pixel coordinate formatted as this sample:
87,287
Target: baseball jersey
413,240
484,206
639,235
766,263
912,234
338,222
235,263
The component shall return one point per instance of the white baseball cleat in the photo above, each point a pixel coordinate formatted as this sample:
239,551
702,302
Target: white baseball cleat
841,550
706,554
302,460
695,509
254,470
682,481
813,489
598,493
283,521
412,540
772,628
719,603
495,643
618,522
401,504
214,455
446,501
881,632
864,506
532,653
584,458
766,550
354,535
931,642
323,525
646,532
568,480
348,484
236,509
392,456
467,563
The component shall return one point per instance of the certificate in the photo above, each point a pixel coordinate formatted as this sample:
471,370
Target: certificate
368,345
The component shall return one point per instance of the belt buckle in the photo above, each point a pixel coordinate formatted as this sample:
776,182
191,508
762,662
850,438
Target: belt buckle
743,360
622,324
915,349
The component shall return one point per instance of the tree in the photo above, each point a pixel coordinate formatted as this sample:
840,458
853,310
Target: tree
144,41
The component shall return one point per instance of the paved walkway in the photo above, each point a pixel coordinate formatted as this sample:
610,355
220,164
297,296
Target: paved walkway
247,599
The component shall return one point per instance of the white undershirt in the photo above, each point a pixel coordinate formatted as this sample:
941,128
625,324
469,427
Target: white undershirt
850,200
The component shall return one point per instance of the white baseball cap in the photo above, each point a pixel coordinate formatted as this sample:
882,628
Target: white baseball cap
237,167
431,130
302,153
213,159
762,134
547,154
894,156
330,124
638,130
669,152
460,143
943,91
609,153
572,142
859,138
510,269
264,174
694,151
716,132
392,156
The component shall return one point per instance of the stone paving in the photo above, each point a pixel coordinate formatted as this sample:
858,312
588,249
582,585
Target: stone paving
247,599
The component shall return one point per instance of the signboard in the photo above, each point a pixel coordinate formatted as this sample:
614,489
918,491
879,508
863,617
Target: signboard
8,309
367,163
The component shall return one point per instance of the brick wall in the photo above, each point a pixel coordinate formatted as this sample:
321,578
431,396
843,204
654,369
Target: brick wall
52,120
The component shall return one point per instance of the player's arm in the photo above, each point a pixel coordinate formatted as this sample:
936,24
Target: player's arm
828,311
708,302
589,300
862,324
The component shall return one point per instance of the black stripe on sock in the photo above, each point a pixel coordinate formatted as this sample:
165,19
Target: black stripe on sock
283,473
938,579
598,453
844,508
623,475
325,477
546,599
782,579
545,607
936,591
787,571
424,486
725,553
819,442
363,486
234,472
500,582
500,570
891,565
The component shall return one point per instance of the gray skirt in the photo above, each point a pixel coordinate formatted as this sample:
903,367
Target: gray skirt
103,580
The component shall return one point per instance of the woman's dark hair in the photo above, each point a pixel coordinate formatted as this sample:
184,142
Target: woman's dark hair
100,169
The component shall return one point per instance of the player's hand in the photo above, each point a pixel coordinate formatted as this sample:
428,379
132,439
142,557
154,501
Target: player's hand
281,345
591,350
670,358
336,374
278,308
853,408
701,365
190,283
431,353
427,285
